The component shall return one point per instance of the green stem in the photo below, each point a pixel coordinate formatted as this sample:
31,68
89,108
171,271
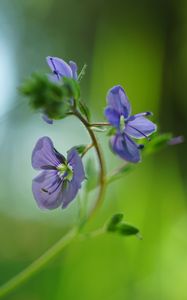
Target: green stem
38,264
102,177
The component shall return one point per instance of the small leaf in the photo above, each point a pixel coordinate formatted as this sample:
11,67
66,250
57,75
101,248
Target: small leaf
91,174
157,143
71,88
80,148
127,229
84,110
111,131
114,222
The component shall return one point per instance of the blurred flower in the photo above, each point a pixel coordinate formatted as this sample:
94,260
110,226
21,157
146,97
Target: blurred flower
127,127
176,140
60,70
60,179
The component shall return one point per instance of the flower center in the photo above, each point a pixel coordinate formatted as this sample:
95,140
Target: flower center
122,123
65,171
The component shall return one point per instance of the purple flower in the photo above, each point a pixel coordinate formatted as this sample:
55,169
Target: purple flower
60,69
176,140
137,126
60,178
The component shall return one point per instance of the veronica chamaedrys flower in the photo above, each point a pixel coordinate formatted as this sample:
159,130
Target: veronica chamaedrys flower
127,127
60,178
60,69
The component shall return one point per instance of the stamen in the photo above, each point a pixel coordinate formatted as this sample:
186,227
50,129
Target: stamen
140,146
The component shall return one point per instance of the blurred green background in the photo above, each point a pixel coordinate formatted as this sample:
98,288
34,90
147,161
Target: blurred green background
141,45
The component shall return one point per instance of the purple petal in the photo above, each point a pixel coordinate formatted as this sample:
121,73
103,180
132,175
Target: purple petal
139,127
59,67
69,192
112,116
71,188
46,119
55,78
44,154
73,67
126,148
118,101
76,162
47,189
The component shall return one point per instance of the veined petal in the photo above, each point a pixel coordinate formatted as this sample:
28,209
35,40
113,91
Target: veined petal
69,192
59,66
139,127
47,187
71,188
75,161
44,154
73,67
126,148
118,101
112,116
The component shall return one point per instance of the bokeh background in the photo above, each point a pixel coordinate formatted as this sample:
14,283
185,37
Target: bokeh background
141,45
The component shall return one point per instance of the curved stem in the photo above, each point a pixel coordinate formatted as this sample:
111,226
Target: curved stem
38,263
102,181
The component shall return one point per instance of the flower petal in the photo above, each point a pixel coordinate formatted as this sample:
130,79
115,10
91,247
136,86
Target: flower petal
69,192
126,148
47,189
71,188
139,127
44,154
112,116
75,161
73,67
59,67
118,101
46,119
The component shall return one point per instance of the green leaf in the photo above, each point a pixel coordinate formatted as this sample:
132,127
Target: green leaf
91,173
80,148
71,88
45,96
158,142
111,131
84,110
114,222
127,229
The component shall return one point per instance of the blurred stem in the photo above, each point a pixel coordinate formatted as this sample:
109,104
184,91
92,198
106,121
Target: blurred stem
38,264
